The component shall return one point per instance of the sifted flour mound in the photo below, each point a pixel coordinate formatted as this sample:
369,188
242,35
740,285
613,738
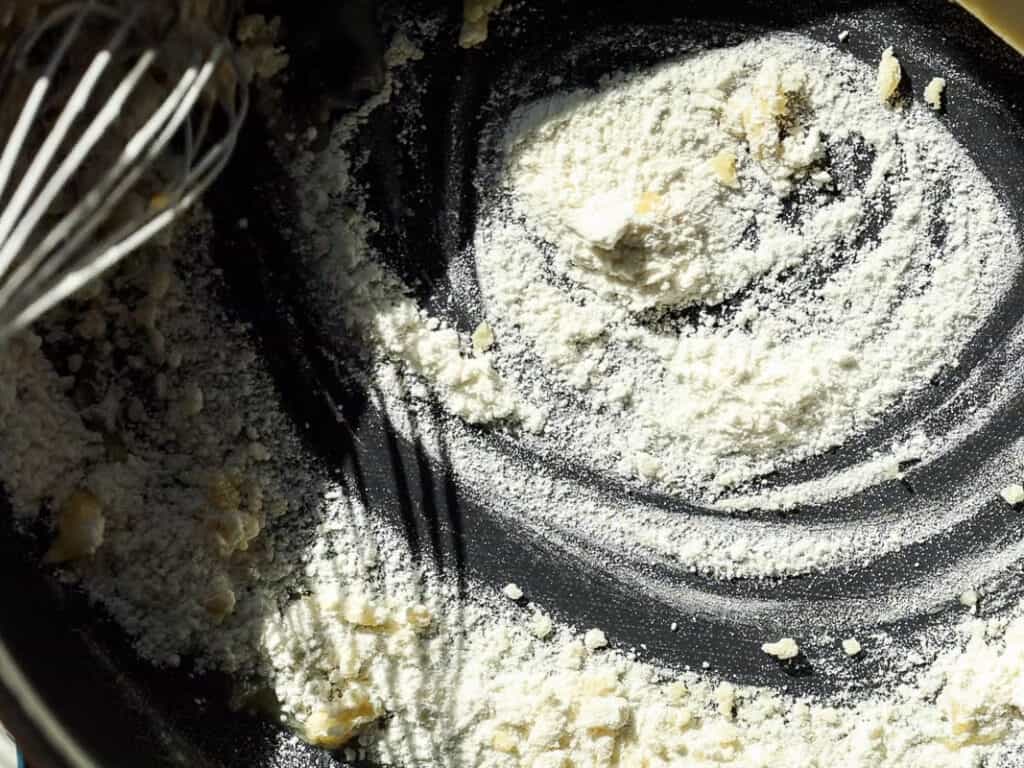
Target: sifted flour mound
817,270
636,208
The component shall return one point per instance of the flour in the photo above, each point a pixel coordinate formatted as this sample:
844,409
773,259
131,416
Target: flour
521,702
142,424
646,225
517,703
789,368
146,456
381,310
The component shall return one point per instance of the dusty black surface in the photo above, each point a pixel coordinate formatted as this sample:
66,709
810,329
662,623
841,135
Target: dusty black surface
126,713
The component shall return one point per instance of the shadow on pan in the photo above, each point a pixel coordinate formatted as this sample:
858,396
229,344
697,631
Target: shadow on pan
74,693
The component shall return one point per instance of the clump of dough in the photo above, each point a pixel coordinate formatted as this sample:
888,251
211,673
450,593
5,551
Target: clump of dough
483,338
475,15
220,601
783,649
334,726
889,75
512,591
755,112
724,166
969,599
933,92
1013,494
595,640
541,625
80,526
260,55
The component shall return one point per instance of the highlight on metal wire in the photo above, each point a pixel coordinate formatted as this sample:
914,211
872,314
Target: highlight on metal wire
114,118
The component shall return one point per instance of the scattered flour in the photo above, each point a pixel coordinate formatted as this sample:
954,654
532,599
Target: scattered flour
520,702
389,661
516,703
811,284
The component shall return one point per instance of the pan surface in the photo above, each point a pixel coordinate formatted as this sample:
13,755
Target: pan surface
73,690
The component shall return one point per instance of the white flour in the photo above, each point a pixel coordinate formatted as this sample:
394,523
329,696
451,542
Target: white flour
834,325
495,696
518,704
224,540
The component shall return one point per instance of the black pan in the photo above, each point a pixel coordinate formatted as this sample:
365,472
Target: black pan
71,688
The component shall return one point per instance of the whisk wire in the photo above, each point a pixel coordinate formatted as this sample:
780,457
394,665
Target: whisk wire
10,244
65,259
97,198
42,85
46,153
129,237
117,182
92,135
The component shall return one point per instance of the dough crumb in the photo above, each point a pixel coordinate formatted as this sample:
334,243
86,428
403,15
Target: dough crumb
80,527
595,640
969,599
648,203
1013,494
483,338
541,626
851,647
512,591
783,649
725,700
934,91
889,75
475,15
220,602
260,54
724,166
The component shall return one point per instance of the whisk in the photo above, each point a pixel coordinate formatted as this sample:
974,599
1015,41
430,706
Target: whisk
114,118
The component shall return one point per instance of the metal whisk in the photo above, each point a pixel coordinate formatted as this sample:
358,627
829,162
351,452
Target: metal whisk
114,118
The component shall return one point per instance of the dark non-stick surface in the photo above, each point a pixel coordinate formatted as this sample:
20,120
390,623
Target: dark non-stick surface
126,713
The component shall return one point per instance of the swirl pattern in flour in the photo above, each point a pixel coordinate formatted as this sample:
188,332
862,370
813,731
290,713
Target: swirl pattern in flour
829,269
733,263
836,299
736,280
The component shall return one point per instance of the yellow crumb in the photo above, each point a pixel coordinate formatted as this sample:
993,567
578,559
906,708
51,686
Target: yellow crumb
724,166
889,75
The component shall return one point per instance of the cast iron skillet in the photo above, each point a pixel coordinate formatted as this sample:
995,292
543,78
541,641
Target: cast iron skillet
72,690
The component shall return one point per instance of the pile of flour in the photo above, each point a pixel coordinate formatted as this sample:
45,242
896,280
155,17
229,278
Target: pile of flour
818,294
560,312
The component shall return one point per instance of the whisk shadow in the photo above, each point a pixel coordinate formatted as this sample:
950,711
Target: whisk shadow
391,478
